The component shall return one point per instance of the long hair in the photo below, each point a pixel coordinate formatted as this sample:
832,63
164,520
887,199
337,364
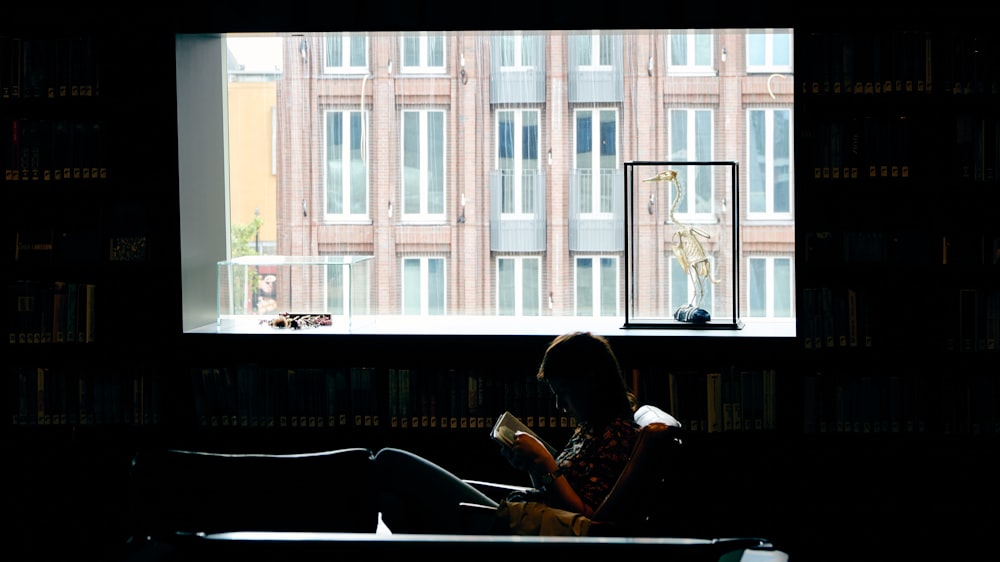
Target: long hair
585,363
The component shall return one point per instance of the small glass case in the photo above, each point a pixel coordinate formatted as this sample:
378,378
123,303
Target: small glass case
682,267
257,290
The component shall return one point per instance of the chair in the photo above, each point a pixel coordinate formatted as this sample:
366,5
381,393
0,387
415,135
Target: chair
638,498
179,491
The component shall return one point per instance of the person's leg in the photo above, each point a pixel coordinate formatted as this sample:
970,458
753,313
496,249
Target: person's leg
420,496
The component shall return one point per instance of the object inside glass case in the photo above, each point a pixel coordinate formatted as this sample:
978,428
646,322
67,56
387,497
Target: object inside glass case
682,268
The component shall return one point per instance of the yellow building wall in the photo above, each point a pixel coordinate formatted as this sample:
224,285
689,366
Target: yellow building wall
252,181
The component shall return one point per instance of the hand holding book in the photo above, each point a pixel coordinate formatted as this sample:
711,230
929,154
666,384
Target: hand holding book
506,428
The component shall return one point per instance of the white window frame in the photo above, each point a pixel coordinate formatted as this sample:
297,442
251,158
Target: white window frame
356,290
424,65
596,52
424,214
596,284
769,37
692,177
769,166
517,52
523,202
347,49
347,190
601,196
424,287
769,283
697,45
519,284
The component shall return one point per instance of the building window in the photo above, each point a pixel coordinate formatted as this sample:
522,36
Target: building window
517,160
423,286
518,52
769,287
682,288
597,286
769,159
690,52
423,146
346,53
345,284
769,51
596,132
519,286
422,53
594,51
346,172
691,139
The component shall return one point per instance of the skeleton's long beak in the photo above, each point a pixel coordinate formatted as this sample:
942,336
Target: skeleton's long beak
667,175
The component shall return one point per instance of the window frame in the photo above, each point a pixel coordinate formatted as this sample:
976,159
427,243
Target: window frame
769,281
347,47
348,190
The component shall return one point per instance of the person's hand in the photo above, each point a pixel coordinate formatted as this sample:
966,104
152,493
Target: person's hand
526,453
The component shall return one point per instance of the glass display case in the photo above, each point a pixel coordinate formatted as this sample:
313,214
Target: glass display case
256,292
682,266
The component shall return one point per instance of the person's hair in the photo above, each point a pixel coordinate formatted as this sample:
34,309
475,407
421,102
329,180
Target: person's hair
585,363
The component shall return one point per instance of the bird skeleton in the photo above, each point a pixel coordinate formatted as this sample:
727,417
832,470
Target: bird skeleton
687,247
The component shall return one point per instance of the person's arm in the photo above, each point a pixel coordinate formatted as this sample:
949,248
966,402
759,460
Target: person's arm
530,455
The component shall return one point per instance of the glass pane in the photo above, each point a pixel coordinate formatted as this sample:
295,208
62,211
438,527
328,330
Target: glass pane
757,166
532,294
506,284
757,287
435,286
334,163
411,286
782,162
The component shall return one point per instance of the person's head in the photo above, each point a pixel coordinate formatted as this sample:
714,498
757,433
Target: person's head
585,377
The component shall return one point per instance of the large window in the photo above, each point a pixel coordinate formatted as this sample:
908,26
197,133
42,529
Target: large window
423,286
769,51
596,134
346,175
691,140
474,178
690,52
519,286
423,164
597,286
517,160
422,53
346,53
770,286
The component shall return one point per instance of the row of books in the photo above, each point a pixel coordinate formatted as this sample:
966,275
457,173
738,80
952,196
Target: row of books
61,396
251,396
976,319
892,147
49,67
729,400
836,317
906,247
725,400
51,313
43,150
855,148
891,62
907,402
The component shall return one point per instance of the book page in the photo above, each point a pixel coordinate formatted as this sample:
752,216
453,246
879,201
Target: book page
508,425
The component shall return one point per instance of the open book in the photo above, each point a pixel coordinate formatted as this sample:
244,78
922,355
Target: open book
508,425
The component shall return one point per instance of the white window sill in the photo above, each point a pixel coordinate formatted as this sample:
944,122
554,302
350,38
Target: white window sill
499,326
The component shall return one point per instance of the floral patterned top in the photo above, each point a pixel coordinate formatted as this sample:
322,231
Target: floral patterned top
592,462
